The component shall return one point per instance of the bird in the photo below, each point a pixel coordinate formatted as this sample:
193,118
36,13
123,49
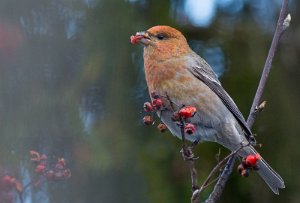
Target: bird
174,70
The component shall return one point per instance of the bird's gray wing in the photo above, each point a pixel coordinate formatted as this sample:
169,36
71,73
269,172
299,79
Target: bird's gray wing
208,77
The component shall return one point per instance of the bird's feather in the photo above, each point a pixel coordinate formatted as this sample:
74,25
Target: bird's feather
207,76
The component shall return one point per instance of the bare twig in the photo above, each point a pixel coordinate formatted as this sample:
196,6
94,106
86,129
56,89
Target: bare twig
189,156
219,186
194,175
187,152
184,145
21,193
282,24
196,194
215,169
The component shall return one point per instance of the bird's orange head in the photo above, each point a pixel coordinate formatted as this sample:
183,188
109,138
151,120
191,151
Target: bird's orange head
161,42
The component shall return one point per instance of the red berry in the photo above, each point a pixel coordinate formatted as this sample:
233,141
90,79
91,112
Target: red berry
251,160
148,107
190,129
157,103
61,162
67,173
8,181
40,168
187,111
162,127
134,39
148,120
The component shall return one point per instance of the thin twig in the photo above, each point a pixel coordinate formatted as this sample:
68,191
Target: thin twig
196,194
189,157
194,174
219,186
21,193
282,24
219,165
186,151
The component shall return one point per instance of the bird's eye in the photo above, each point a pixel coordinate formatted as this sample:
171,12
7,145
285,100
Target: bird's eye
160,36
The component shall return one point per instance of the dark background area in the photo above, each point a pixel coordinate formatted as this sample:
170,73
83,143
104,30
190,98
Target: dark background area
72,85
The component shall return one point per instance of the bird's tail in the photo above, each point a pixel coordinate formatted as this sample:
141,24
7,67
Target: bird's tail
273,179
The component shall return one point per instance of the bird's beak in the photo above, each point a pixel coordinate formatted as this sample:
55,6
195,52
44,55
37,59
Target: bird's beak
142,37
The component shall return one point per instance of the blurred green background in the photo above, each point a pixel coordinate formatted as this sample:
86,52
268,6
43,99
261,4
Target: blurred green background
72,85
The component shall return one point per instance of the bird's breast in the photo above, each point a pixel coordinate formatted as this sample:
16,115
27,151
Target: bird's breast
183,88
166,75
174,78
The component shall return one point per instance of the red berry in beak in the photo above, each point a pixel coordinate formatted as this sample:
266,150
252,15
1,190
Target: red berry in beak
134,39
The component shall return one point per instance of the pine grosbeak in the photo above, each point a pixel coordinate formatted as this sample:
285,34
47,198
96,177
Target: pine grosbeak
173,69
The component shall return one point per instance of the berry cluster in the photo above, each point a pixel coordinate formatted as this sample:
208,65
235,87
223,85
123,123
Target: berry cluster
58,172
248,163
181,117
10,187
150,107
185,113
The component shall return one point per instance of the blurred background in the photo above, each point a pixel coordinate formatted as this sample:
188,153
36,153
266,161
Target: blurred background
72,86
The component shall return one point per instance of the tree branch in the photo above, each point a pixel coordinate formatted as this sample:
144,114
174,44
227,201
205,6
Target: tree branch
282,24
